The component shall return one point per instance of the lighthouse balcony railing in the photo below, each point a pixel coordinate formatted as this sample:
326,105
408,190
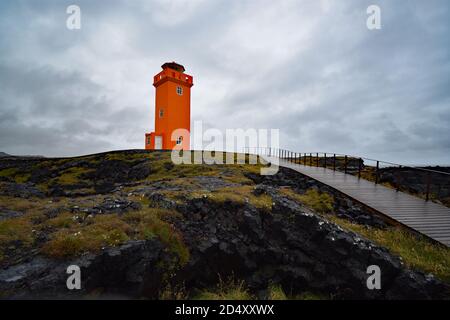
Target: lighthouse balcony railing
174,75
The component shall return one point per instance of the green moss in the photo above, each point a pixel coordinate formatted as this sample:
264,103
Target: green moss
72,175
320,202
107,230
20,204
16,174
13,230
121,156
63,220
164,169
9,172
148,224
416,251
237,194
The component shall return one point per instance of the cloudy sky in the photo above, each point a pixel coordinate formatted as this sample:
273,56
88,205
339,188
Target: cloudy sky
310,68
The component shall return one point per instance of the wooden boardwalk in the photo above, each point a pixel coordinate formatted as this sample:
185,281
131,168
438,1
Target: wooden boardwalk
426,217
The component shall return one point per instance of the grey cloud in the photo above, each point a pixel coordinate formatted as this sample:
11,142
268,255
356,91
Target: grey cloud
310,68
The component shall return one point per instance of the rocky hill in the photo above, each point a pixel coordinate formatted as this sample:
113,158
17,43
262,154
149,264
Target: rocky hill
139,226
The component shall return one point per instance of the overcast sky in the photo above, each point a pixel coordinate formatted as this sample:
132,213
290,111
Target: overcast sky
310,68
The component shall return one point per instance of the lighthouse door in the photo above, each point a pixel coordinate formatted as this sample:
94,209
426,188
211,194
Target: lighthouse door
158,142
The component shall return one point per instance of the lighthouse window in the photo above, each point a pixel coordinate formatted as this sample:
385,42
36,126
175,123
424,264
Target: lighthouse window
179,140
161,113
179,91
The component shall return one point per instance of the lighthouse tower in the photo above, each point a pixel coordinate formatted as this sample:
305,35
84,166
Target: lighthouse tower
172,109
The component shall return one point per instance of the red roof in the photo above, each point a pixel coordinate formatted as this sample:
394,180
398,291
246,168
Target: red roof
173,65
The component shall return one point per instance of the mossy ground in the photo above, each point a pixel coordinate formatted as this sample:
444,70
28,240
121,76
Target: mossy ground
416,251
71,234
15,174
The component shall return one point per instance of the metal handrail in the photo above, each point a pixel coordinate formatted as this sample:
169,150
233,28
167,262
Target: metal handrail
283,153
362,158
391,163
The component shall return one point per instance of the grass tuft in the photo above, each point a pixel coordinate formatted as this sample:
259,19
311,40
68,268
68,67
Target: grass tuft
275,292
229,290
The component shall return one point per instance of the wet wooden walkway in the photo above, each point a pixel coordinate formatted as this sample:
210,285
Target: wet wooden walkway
426,217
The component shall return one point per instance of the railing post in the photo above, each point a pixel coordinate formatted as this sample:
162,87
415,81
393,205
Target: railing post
310,159
345,164
317,159
334,162
427,197
325,160
376,172
359,168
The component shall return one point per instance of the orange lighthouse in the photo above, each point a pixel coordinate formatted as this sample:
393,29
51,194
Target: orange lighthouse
172,109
